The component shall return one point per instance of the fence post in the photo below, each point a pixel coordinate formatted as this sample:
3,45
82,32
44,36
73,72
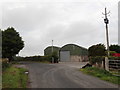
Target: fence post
106,64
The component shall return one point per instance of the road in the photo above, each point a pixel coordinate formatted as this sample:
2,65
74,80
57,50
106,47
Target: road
62,75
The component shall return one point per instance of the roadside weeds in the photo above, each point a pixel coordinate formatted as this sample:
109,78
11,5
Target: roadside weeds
14,77
101,74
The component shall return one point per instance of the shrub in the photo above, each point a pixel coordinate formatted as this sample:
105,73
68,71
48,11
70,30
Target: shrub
38,58
18,58
47,58
114,58
97,50
5,64
97,59
112,52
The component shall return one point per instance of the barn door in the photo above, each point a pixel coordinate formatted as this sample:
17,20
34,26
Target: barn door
64,56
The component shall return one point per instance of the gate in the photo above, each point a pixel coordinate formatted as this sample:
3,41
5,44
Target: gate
114,64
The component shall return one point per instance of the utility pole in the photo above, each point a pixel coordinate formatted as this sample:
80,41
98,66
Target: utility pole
52,46
52,53
106,21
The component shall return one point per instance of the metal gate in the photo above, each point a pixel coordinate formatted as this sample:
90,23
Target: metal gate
64,56
114,64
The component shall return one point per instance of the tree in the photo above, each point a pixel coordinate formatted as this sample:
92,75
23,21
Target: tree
115,48
54,56
11,43
97,50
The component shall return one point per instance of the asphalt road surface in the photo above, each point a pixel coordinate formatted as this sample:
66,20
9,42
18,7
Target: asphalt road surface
62,75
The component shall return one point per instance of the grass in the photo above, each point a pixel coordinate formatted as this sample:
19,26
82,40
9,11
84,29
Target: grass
14,77
102,74
115,72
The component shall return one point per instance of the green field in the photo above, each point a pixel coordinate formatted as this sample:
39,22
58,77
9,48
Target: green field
14,77
102,74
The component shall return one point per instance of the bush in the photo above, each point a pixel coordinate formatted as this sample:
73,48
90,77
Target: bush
38,58
112,52
18,58
5,64
47,58
113,58
97,59
97,50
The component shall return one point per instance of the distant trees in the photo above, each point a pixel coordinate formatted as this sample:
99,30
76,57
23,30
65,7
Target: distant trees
115,48
36,58
12,43
97,50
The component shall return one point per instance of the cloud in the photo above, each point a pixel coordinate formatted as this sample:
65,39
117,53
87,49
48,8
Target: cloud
64,22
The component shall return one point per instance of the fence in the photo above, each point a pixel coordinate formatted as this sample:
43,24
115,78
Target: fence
114,64
108,64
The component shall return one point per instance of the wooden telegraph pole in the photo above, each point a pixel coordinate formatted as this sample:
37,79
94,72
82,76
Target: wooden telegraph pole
52,46
106,21
52,53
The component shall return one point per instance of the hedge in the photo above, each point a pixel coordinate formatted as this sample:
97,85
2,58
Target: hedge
39,58
97,59
5,63
113,58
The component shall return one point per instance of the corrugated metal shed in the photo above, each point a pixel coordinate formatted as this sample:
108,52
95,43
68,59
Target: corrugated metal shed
48,50
74,49
76,53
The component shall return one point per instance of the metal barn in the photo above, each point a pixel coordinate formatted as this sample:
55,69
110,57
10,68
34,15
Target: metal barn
48,50
72,52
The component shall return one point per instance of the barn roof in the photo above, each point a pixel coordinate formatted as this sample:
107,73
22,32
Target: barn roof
73,45
74,49
51,47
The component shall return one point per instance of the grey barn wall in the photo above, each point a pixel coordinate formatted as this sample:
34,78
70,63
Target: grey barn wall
77,53
78,58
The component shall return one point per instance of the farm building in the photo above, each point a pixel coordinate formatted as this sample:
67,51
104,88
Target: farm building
72,52
48,50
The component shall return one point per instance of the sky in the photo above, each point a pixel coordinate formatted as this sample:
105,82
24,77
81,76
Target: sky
78,22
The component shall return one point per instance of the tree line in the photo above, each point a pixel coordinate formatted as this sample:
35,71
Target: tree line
47,58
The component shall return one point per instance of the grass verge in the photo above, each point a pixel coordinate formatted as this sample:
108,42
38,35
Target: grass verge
14,77
102,74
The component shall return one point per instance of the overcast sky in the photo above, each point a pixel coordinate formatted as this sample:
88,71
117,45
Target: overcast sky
64,21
